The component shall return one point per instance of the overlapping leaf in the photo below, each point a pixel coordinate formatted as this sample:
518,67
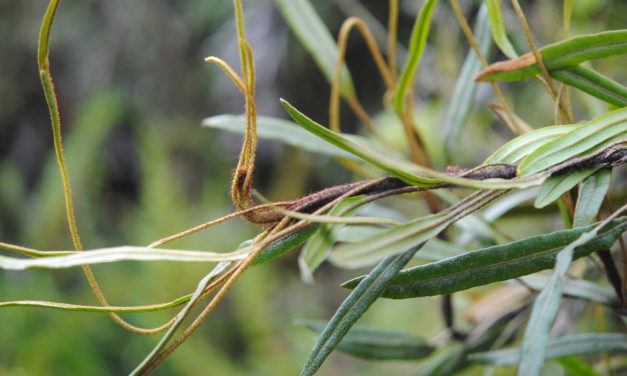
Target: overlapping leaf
497,263
314,35
374,344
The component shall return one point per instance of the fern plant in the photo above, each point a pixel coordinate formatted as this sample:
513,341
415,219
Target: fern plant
568,163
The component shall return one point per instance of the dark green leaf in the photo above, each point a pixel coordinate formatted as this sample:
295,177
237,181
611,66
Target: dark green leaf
492,264
359,300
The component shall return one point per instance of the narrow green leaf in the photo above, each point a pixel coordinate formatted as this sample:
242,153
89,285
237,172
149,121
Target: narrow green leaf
591,195
374,344
593,83
609,126
280,130
416,47
353,307
406,171
525,144
319,246
493,264
498,28
560,55
284,244
314,35
466,87
557,185
574,288
577,344
547,303
397,239
576,367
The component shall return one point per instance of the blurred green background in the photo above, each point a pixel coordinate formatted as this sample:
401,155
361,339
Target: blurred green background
133,89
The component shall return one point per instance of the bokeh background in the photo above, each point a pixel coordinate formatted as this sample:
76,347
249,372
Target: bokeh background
133,89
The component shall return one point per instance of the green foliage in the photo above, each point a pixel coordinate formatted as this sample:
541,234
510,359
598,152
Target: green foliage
563,156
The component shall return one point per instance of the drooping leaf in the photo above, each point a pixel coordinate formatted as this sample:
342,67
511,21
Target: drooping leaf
316,38
466,87
280,130
593,135
406,171
560,55
556,185
590,198
353,307
374,344
417,44
577,344
496,263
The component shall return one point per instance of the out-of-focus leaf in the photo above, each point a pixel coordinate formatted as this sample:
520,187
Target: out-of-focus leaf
280,130
115,254
498,28
576,367
496,263
593,83
557,185
547,303
319,246
285,244
575,288
406,171
314,35
525,144
374,344
560,55
590,198
466,87
357,302
594,134
577,344
416,47
395,240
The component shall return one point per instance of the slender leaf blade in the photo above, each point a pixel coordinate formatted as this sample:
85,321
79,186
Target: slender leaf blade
314,35
556,185
497,26
406,171
319,246
417,44
577,344
465,88
609,126
591,195
546,306
353,307
593,83
375,344
560,55
493,264
280,130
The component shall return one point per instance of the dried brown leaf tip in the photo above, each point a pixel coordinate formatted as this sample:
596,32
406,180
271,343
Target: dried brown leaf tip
521,62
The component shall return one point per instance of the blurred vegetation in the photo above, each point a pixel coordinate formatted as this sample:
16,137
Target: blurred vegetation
133,89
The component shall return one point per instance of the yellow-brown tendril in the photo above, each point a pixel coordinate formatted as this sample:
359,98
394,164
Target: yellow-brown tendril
334,102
